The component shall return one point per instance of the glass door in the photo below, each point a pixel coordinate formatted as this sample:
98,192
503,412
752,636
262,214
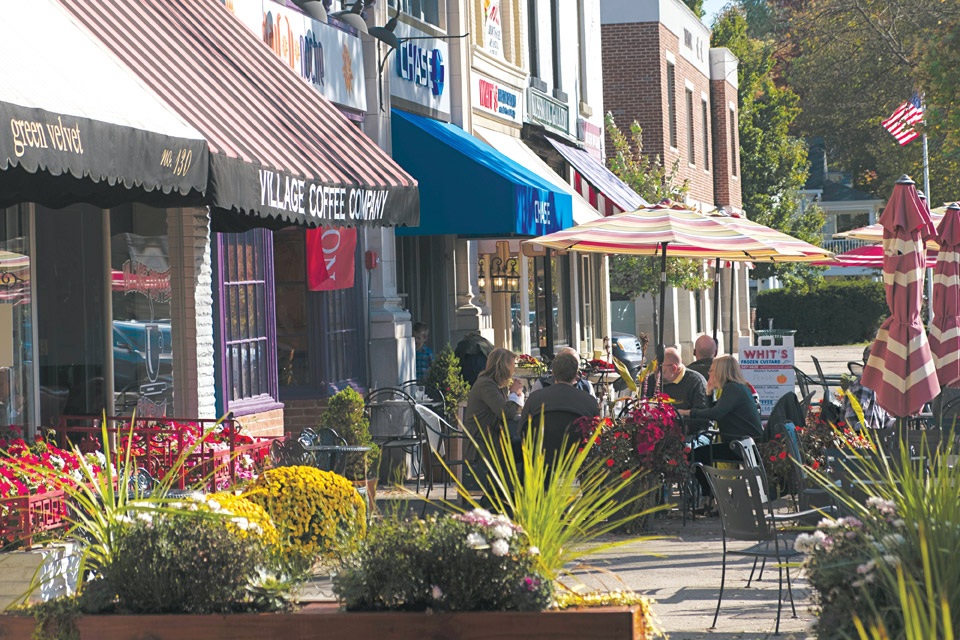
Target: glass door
17,393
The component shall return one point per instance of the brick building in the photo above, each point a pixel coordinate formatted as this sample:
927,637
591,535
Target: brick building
659,70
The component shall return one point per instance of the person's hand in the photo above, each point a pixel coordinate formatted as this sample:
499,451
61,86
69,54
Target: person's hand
516,387
684,412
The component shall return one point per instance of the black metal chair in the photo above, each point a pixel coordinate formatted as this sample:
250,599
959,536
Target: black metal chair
395,424
435,398
855,367
826,381
440,434
805,383
743,516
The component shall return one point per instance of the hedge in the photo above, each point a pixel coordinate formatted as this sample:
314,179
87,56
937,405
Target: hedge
842,312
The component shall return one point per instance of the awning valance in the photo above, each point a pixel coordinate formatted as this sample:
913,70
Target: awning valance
278,149
469,188
612,187
77,127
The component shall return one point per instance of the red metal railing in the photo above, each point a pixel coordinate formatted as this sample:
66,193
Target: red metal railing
23,517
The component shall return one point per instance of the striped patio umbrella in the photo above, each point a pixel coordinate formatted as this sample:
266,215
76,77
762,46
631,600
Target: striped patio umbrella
900,368
945,328
667,230
870,255
874,232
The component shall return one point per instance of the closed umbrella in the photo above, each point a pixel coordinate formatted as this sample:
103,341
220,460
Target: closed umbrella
945,328
900,369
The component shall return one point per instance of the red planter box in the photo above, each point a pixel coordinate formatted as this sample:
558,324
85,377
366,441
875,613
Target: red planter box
23,517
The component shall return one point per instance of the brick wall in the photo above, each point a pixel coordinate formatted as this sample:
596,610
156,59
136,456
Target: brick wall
726,185
191,284
635,88
267,423
298,414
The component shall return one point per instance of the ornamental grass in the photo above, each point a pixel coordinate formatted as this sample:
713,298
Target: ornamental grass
314,511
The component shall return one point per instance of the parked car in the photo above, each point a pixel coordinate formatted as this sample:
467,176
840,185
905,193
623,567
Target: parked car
627,349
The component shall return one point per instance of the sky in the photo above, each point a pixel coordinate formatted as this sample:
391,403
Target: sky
712,8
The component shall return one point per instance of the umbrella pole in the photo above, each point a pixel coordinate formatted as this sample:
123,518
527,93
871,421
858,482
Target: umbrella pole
716,299
733,303
663,294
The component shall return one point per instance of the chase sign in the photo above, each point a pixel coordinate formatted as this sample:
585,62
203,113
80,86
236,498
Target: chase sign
420,72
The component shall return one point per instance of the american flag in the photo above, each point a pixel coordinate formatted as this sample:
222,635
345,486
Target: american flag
900,124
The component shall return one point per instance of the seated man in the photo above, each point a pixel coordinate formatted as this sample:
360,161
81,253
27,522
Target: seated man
704,351
683,385
580,383
874,416
562,399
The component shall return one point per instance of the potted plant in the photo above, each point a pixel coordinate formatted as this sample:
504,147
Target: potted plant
446,376
344,414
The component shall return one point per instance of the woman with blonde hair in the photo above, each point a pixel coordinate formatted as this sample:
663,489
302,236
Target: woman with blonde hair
734,411
495,396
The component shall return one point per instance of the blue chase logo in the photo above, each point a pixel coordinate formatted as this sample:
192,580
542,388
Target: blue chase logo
421,66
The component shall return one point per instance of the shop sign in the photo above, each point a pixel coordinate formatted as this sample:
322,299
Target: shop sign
591,136
492,28
548,111
331,258
489,96
329,59
768,366
420,69
311,198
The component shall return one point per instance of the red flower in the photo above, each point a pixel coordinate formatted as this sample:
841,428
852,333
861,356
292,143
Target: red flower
815,465
778,435
609,462
626,474
686,449
773,458
672,462
783,454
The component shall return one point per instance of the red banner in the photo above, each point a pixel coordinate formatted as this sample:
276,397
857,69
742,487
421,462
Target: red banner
331,258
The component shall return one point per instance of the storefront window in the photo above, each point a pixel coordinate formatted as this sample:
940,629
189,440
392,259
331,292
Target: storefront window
17,398
423,10
141,296
550,304
245,262
319,333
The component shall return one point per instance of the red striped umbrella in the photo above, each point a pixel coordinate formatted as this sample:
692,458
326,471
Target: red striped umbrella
900,368
945,328
870,255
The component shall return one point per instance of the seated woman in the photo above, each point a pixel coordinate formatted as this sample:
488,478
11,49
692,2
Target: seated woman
490,402
735,413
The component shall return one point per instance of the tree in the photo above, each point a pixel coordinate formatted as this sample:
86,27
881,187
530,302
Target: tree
638,275
696,6
854,61
773,163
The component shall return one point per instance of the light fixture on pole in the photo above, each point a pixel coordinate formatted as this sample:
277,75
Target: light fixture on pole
313,8
385,33
352,17
481,277
505,276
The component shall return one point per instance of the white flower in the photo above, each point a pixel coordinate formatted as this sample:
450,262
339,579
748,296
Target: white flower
867,568
145,517
436,592
500,548
898,523
534,551
476,541
827,523
881,505
242,523
482,513
892,540
502,531
805,543
213,504
892,560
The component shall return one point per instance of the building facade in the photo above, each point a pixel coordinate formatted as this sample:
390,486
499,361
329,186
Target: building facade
659,71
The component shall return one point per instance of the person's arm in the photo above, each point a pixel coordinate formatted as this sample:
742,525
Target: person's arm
698,396
732,396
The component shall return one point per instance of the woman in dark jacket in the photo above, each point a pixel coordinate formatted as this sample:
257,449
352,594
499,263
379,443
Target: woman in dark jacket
735,413
494,397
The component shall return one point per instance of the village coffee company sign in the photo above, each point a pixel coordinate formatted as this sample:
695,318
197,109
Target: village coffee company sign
329,59
420,72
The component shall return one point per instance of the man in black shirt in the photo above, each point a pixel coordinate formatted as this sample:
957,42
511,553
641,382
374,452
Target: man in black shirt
561,402
683,385
704,351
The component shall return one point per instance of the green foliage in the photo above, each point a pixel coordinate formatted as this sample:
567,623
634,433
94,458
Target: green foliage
183,564
446,376
854,62
638,275
473,562
907,547
345,415
696,6
564,502
773,163
843,312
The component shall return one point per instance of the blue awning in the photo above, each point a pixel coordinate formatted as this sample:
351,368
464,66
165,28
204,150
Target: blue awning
469,188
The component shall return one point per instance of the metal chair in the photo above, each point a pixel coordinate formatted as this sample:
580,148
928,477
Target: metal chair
395,424
435,398
804,382
826,381
743,516
440,434
855,367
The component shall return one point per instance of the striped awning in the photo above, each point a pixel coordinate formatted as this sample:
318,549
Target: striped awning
78,127
687,234
901,369
278,149
945,328
612,187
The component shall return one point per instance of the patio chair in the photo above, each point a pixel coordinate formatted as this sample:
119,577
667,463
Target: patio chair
826,381
807,497
395,425
743,516
855,367
435,398
440,435
805,383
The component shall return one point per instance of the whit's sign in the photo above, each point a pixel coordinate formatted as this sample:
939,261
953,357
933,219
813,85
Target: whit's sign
768,366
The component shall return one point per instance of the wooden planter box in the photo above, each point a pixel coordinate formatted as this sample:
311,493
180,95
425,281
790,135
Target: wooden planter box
325,621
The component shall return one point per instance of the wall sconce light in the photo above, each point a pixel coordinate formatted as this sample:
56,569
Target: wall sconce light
385,33
481,276
505,276
313,8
